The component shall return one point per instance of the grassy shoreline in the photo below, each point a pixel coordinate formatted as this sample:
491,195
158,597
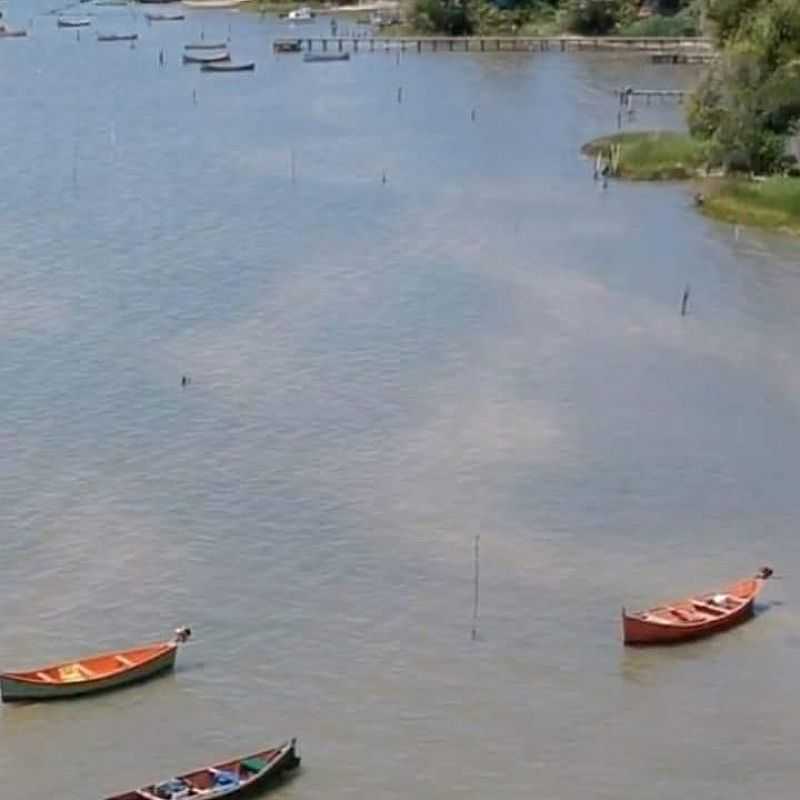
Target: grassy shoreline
769,203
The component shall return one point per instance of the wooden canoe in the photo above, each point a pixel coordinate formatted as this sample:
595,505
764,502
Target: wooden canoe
93,674
230,779
206,46
117,37
206,57
164,17
247,66
76,22
6,33
694,617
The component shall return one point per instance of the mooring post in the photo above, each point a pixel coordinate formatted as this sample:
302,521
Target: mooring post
419,46
340,45
450,42
563,45
324,44
483,45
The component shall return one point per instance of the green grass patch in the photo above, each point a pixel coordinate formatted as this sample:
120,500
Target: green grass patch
652,156
773,203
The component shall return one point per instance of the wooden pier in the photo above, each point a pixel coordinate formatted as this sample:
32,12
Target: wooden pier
682,58
648,94
480,44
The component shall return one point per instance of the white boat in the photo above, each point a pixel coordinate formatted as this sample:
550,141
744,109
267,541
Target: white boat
212,3
304,14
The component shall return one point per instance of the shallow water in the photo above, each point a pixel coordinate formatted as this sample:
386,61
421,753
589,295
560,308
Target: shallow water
488,343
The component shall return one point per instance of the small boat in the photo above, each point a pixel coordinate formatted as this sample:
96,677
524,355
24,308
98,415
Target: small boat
206,57
7,33
234,778
117,37
213,3
696,616
93,674
245,66
304,14
111,3
314,57
287,46
206,46
73,22
164,17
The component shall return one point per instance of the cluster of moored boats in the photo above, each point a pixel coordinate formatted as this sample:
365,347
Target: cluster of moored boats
232,778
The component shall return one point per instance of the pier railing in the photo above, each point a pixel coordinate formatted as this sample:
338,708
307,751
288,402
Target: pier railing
669,44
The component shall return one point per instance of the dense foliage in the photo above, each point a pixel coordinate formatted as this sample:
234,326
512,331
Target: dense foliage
589,17
748,104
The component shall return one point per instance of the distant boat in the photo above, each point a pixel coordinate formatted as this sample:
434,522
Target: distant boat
304,14
111,3
92,674
696,616
156,2
230,779
73,22
202,57
247,66
287,45
213,3
7,33
117,37
206,46
314,57
164,17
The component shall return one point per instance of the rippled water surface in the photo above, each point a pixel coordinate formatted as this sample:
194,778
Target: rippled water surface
487,343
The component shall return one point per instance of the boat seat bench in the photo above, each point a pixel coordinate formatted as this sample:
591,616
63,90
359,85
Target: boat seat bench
126,662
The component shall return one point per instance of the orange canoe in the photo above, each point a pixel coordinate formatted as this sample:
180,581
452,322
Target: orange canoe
696,616
92,674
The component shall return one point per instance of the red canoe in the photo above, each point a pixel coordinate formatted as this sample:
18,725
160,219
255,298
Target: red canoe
696,616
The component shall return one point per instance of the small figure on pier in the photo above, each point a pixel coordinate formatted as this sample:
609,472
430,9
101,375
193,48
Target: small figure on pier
685,300
185,380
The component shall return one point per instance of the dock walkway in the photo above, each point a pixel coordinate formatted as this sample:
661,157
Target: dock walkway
506,43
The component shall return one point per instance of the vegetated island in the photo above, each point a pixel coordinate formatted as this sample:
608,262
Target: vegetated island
742,119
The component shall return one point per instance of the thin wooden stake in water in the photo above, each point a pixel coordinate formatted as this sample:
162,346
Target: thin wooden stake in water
293,167
477,588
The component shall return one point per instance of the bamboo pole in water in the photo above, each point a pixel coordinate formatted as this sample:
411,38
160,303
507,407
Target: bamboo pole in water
476,599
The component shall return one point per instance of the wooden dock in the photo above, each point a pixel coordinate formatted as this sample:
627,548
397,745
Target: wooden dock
682,58
482,44
648,94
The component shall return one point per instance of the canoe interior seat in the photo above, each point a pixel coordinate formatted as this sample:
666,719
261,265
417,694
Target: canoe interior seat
45,677
254,764
125,662
704,607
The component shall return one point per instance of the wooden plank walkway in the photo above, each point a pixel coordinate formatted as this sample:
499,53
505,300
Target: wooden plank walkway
504,43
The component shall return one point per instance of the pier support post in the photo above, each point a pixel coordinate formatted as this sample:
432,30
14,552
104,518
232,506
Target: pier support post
563,45
372,45
324,44
419,46
450,44
340,45
483,45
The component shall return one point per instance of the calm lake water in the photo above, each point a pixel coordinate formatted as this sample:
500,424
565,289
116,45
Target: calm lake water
488,343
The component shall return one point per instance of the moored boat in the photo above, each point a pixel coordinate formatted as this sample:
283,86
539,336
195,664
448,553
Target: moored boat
694,617
303,14
92,674
164,17
230,779
8,33
246,66
117,37
206,46
212,3
73,22
287,46
315,57
206,57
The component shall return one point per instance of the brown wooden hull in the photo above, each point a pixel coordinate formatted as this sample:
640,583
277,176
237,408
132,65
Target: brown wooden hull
642,632
283,759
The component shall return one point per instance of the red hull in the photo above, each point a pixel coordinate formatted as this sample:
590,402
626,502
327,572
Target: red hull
694,617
